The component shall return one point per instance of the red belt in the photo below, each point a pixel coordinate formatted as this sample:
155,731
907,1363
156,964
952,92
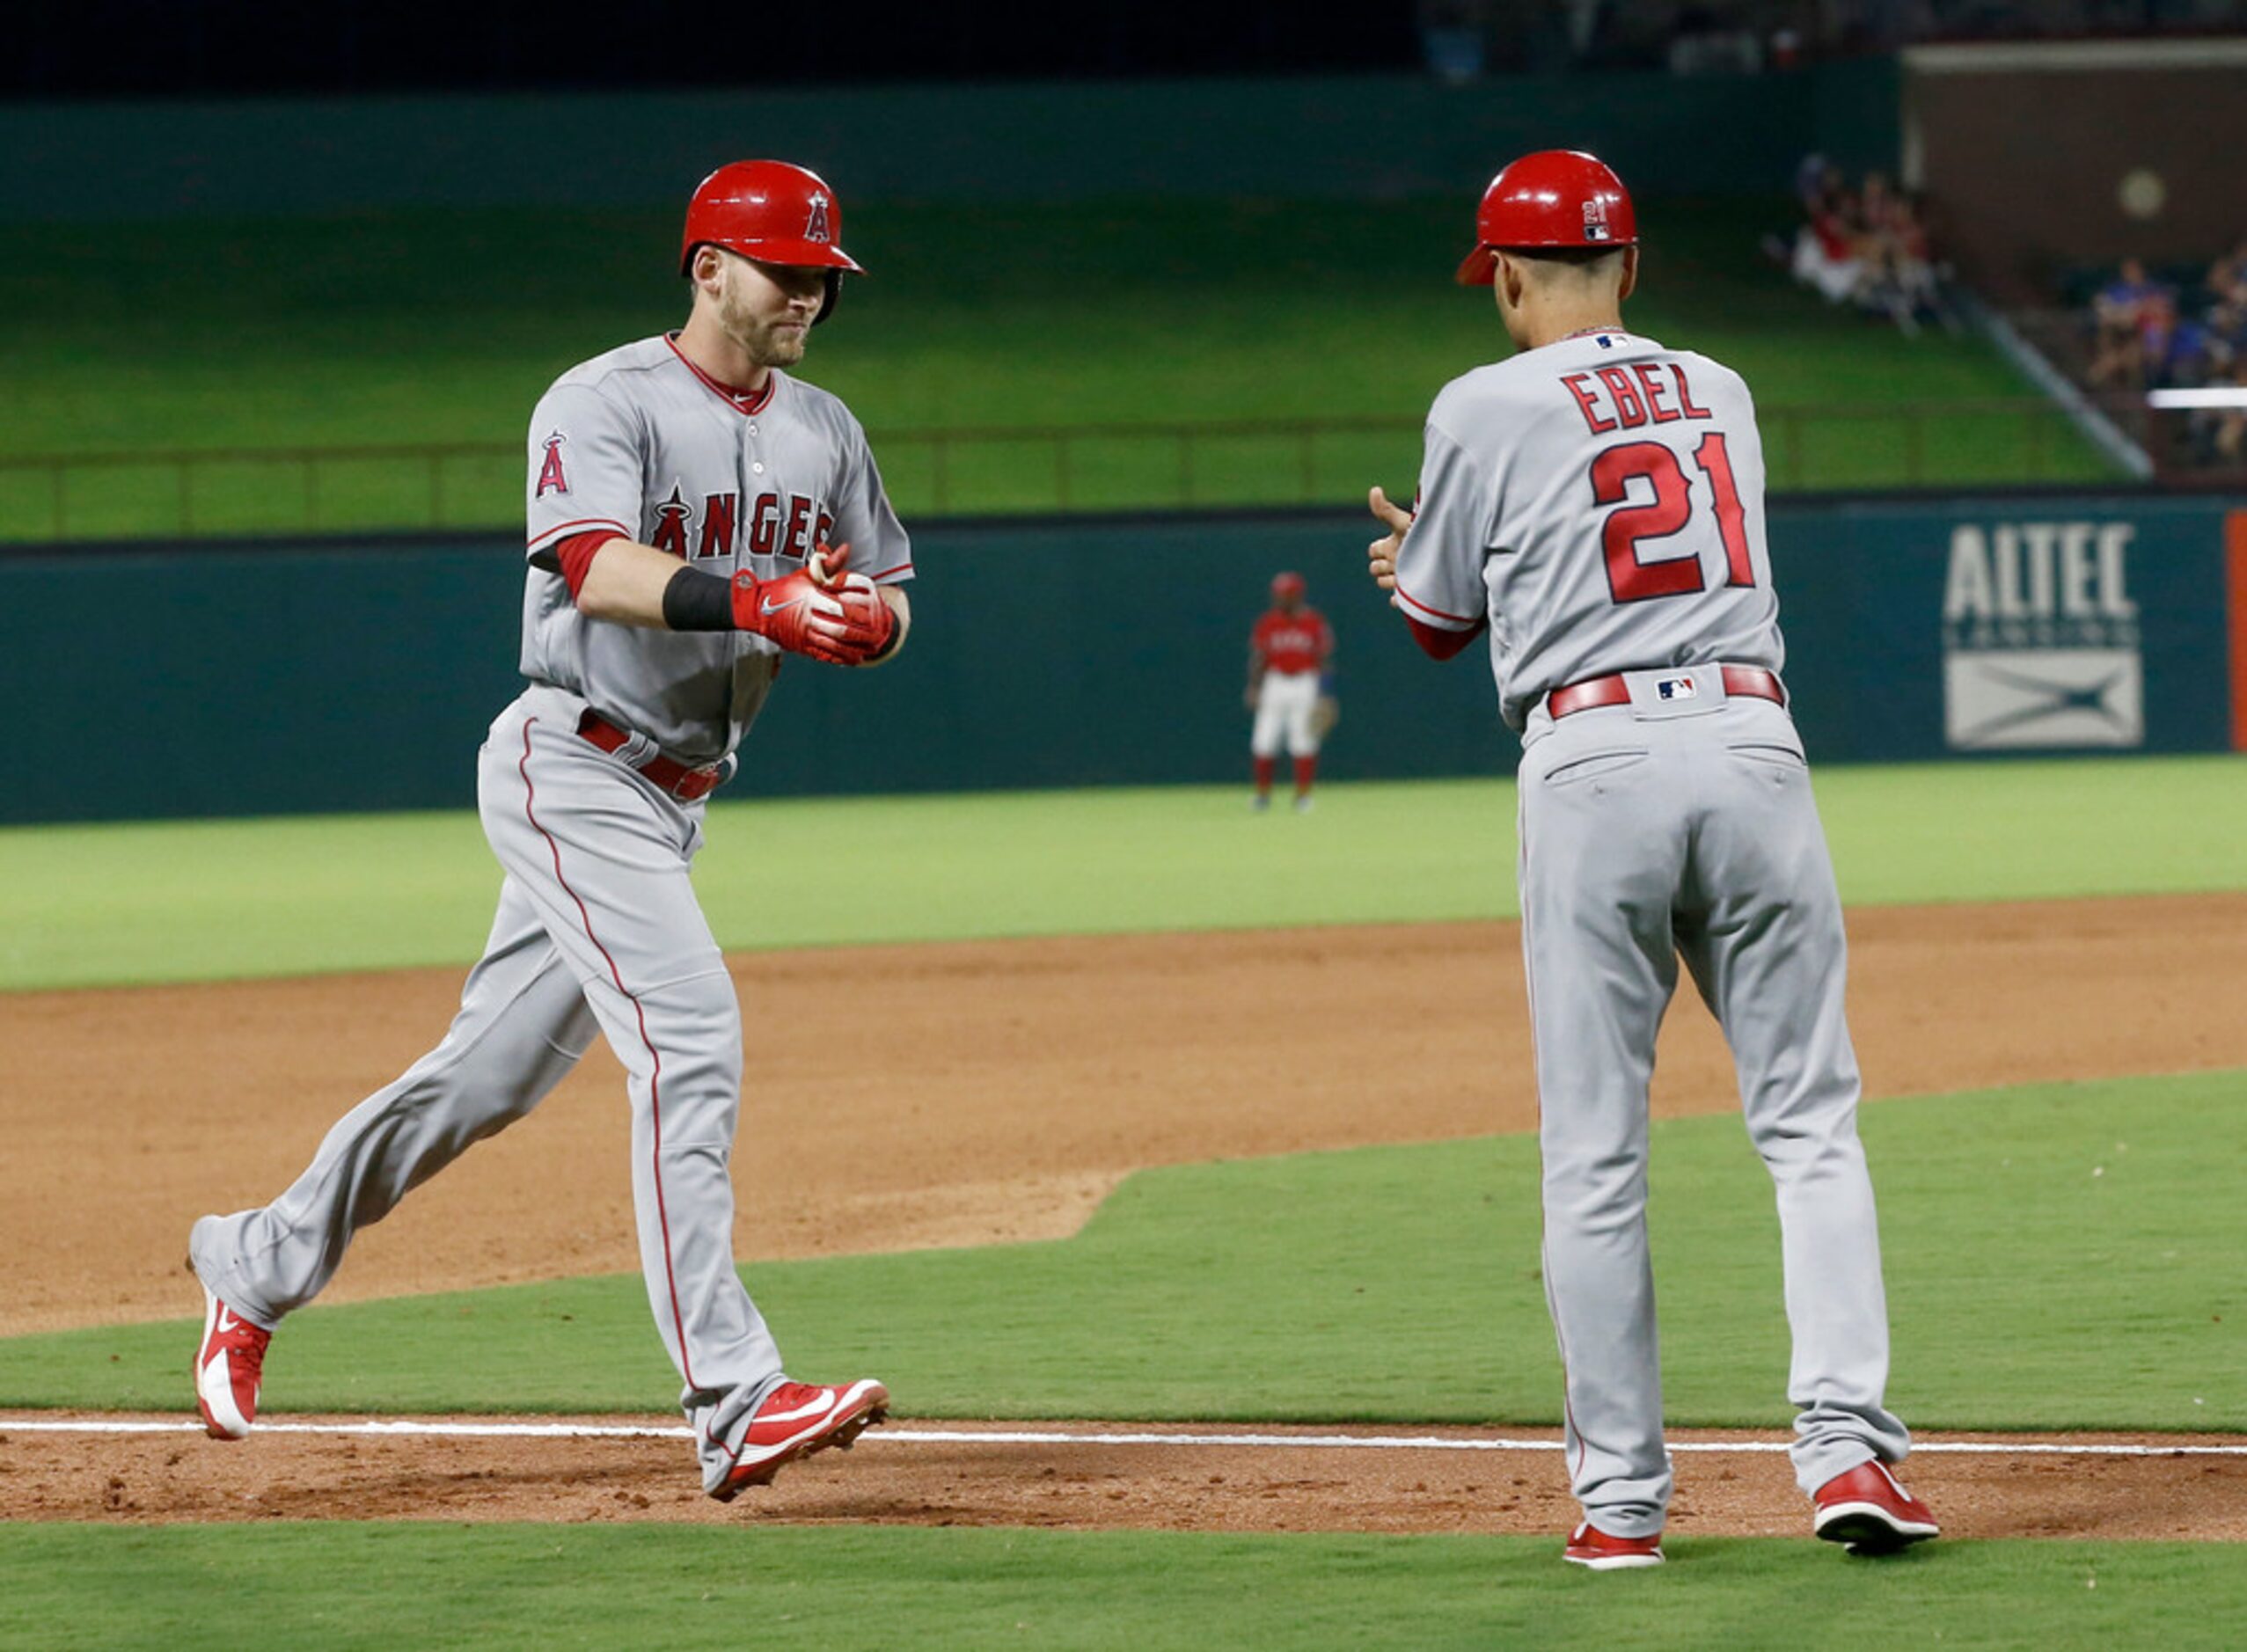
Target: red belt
1751,682
681,782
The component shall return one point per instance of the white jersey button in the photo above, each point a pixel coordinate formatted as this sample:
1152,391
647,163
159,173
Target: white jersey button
758,467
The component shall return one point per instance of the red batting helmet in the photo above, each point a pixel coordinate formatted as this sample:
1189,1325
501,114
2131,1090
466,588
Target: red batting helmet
774,213
1284,585
1554,197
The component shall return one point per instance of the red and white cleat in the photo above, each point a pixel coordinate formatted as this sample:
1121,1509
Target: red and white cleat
797,1420
1868,1509
1588,1546
229,1368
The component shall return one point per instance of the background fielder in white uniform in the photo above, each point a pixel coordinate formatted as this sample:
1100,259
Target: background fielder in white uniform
1596,502
682,492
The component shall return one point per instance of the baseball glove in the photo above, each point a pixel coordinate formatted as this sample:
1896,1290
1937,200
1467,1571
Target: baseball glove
1325,715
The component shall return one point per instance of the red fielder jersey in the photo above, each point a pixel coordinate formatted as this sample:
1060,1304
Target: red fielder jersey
1293,642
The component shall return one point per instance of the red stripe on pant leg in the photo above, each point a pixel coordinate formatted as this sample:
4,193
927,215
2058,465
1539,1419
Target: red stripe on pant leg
654,1077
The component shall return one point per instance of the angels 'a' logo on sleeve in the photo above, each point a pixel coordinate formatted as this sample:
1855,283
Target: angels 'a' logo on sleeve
551,479
815,226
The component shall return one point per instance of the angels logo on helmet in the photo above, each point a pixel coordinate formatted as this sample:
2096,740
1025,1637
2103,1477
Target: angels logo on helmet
814,225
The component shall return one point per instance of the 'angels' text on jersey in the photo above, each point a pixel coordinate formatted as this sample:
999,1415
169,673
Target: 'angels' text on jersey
779,525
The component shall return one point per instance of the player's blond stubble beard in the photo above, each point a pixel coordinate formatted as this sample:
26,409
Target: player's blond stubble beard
758,336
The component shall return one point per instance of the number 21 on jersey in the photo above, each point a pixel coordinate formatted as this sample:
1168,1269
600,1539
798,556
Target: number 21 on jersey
1630,578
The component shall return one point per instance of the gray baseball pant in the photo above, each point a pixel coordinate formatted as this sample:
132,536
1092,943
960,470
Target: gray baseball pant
1651,832
597,927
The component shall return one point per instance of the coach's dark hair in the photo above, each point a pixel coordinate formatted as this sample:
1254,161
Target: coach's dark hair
1578,256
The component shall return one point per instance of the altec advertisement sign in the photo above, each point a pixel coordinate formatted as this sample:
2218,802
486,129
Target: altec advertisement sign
2041,646
1989,626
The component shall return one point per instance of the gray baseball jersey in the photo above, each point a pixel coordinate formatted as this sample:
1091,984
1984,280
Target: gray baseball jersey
642,442
598,927
1655,452
1598,501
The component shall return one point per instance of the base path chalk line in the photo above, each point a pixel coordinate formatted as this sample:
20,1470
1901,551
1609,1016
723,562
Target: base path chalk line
407,1429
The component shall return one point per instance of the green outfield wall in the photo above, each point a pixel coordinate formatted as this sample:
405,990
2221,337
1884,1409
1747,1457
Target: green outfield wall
182,681
1358,138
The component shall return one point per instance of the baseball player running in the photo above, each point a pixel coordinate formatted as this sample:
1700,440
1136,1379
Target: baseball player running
1288,653
1595,502
683,492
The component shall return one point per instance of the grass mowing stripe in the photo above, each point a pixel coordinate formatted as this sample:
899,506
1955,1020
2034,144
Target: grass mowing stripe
345,1586
2052,1261
89,905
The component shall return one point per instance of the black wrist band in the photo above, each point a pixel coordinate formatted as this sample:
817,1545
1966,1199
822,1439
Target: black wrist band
897,639
696,601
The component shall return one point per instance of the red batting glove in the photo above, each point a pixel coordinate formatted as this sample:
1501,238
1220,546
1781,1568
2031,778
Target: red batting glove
828,566
862,601
828,563
794,612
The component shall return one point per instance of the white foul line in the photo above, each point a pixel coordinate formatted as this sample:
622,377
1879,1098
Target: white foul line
1063,1437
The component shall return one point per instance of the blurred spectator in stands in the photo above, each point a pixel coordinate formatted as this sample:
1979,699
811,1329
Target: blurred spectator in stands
2219,434
1870,248
2182,352
1814,175
1825,252
2227,428
2227,320
1913,266
1454,39
1883,220
1703,41
2227,279
2148,335
2124,313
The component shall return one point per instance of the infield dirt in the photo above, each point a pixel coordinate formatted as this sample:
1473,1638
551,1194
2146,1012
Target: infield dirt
964,1481
997,1092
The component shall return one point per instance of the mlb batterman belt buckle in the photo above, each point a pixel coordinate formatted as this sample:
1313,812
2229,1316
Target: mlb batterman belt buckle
667,774
1750,682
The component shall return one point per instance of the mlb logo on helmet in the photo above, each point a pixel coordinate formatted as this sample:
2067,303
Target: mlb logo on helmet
814,224
1595,219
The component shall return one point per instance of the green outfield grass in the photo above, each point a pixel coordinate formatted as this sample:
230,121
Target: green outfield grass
2054,1259
444,328
83,905
342,1585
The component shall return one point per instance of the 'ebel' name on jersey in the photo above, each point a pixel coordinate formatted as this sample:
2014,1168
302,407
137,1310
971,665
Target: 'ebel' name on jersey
2040,585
